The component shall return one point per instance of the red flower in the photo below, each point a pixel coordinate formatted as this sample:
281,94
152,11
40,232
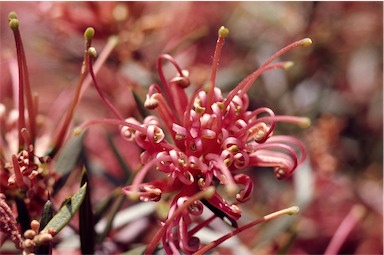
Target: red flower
210,137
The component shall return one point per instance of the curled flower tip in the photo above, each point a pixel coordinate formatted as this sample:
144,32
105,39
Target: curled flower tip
182,81
288,65
223,31
293,210
306,42
92,52
14,24
151,102
12,15
89,33
305,123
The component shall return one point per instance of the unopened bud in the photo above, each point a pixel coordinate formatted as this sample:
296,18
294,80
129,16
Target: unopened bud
14,24
223,31
151,103
92,52
12,15
89,33
35,225
29,234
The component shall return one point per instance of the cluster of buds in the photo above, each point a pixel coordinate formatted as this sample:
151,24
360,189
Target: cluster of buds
35,238
210,137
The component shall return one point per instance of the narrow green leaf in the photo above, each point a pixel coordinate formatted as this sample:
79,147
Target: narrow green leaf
46,217
68,159
127,171
105,205
140,105
86,220
65,214
69,155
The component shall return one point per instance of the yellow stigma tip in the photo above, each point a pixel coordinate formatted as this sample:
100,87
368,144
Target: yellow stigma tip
89,33
12,15
288,65
293,210
306,42
223,31
77,131
14,24
305,123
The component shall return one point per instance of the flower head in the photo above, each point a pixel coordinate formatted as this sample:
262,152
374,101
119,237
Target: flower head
201,141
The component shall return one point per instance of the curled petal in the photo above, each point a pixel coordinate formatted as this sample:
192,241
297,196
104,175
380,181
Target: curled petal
282,164
241,160
180,132
155,134
151,120
232,143
182,82
245,193
146,192
151,102
187,244
196,163
127,132
196,208
208,134
185,177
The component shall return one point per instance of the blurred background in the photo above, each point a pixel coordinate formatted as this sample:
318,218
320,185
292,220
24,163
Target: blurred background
337,82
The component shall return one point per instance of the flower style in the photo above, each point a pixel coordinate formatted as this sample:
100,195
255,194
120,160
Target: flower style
210,137
26,177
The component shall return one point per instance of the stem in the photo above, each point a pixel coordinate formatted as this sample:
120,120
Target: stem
28,95
64,127
111,44
17,171
105,100
14,24
289,211
215,65
24,85
164,83
114,122
247,82
353,217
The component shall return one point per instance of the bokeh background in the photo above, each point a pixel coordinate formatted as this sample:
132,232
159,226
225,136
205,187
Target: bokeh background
337,82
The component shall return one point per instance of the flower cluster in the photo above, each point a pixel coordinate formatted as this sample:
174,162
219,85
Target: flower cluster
210,137
25,176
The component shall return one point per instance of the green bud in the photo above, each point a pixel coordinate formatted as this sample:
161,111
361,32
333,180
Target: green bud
12,15
14,24
89,33
223,31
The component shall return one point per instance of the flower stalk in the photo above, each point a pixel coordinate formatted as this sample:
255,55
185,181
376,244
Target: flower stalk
289,211
88,35
25,93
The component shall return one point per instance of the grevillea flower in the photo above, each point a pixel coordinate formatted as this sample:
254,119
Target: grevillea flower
201,141
26,172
